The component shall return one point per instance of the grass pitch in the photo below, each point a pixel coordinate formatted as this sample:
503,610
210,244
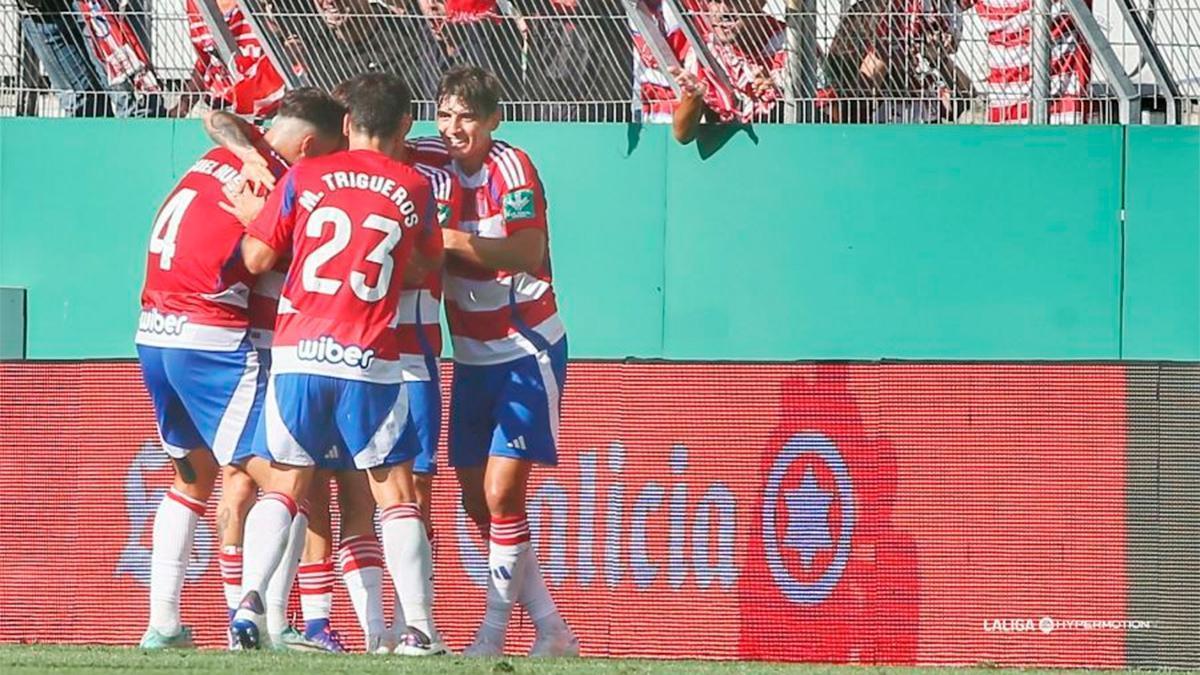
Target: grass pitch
31,659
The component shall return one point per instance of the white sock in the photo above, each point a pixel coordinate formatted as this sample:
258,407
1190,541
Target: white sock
174,526
279,588
535,596
410,562
508,539
362,571
268,527
316,589
230,560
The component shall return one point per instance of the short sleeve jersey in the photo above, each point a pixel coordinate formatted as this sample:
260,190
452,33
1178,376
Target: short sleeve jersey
351,221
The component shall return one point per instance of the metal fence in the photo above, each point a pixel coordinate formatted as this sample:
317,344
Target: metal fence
831,61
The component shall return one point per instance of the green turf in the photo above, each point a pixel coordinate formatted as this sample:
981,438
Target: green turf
27,659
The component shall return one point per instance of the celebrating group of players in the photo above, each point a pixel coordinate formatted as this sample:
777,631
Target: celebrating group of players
290,332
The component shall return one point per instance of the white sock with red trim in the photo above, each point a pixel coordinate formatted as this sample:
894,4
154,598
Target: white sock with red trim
316,592
535,596
507,549
174,527
268,526
279,588
361,558
230,560
410,562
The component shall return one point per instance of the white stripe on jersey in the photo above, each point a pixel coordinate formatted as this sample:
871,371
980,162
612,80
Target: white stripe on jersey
408,368
406,313
511,169
475,295
491,227
158,329
439,180
236,295
490,352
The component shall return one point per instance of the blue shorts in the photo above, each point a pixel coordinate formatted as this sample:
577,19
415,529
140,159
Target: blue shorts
425,412
508,409
313,420
204,399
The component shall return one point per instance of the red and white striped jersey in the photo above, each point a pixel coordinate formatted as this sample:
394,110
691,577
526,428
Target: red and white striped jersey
351,221
497,316
197,290
264,303
421,304
1009,28
254,87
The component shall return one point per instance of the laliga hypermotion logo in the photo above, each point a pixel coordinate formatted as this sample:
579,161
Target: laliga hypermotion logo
808,518
141,502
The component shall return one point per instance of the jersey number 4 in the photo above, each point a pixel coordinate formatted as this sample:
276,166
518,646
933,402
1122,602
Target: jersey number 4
380,255
166,226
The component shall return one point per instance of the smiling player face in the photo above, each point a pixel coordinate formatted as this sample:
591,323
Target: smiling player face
468,135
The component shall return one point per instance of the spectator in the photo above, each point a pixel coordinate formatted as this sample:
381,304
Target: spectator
657,98
747,45
370,36
254,87
892,61
1010,78
480,36
575,57
94,57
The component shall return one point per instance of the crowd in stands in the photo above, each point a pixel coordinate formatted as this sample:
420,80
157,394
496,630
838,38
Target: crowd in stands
887,61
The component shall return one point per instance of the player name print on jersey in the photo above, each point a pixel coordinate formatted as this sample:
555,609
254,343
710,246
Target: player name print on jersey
222,172
387,187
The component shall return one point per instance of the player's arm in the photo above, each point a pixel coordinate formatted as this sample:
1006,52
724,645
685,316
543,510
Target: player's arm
270,234
524,249
244,140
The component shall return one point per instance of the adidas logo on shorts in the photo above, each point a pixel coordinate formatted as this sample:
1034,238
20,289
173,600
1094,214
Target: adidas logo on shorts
517,443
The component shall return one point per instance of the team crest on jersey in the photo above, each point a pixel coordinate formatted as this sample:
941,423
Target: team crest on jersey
518,204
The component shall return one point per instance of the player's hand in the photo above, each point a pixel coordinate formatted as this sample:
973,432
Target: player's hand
690,86
245,202
256,171
454,240
872,67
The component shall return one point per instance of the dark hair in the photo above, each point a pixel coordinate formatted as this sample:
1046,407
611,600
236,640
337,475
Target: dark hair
315,107
478,88
377,102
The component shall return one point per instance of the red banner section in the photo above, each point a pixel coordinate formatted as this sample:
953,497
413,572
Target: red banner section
875,513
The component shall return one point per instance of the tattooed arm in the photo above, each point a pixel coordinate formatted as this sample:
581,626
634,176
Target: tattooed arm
244,140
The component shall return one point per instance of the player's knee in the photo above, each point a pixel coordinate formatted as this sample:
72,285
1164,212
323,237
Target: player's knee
237,489
504,499
195,474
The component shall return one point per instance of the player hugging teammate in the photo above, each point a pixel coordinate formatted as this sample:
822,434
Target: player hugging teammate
293,337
